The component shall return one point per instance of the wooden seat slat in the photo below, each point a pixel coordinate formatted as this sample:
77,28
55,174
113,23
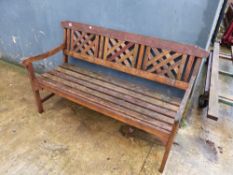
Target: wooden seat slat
109,97
117,87
107,105
113,92
124,87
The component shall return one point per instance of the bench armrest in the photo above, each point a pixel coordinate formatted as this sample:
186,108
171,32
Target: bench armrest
185,99
26,61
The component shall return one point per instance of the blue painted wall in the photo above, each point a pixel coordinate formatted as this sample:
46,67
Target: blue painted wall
28,27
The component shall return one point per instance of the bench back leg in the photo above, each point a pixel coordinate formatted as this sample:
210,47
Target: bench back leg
168,146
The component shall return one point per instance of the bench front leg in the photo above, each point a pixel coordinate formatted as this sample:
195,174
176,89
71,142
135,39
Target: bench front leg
35,87
27,63
176,124
168,146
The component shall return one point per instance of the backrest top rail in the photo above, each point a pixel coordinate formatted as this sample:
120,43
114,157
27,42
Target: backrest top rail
139,39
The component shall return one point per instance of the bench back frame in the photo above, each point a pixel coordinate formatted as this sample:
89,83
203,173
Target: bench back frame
163,61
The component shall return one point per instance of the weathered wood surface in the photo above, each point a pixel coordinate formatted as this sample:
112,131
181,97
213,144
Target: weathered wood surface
136,72
140,39
226,56
28,60
213,107
122,85
165,62
226,99
99,105
208,74
114,95
226,73
184,101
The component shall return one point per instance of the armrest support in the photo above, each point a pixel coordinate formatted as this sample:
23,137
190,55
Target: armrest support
42,56
185,99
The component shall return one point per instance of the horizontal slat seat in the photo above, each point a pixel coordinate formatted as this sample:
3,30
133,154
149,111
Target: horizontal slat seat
143,92
118,96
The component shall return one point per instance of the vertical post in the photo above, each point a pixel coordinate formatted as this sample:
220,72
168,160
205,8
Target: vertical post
168,146
101,46
35,88
140,56
65,58
189,68
106,48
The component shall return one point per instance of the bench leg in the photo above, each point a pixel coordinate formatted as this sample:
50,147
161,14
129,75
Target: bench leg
38,101
168,147
35,89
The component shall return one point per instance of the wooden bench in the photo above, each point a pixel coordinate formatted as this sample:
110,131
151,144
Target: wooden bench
156,60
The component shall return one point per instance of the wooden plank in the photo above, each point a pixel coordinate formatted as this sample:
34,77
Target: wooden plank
106,48
35,87
185,99
123,86
181,68
72,39
138,39
104,107
226,99
163,120
96,47
163,136
135,53
101,47
26,61
65,41
115,93
208,74
225,56
213,107
68,33
47,97
188,68
168,146
133,71
226,73
146,58
140,57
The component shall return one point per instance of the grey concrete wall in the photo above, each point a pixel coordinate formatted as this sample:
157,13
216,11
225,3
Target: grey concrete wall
28,27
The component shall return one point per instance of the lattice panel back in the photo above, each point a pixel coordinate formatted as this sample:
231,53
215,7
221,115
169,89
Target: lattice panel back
166,63
84,43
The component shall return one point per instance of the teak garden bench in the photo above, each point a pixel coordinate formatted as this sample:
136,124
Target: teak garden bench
162,61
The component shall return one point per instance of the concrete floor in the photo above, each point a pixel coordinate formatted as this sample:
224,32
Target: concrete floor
71,140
